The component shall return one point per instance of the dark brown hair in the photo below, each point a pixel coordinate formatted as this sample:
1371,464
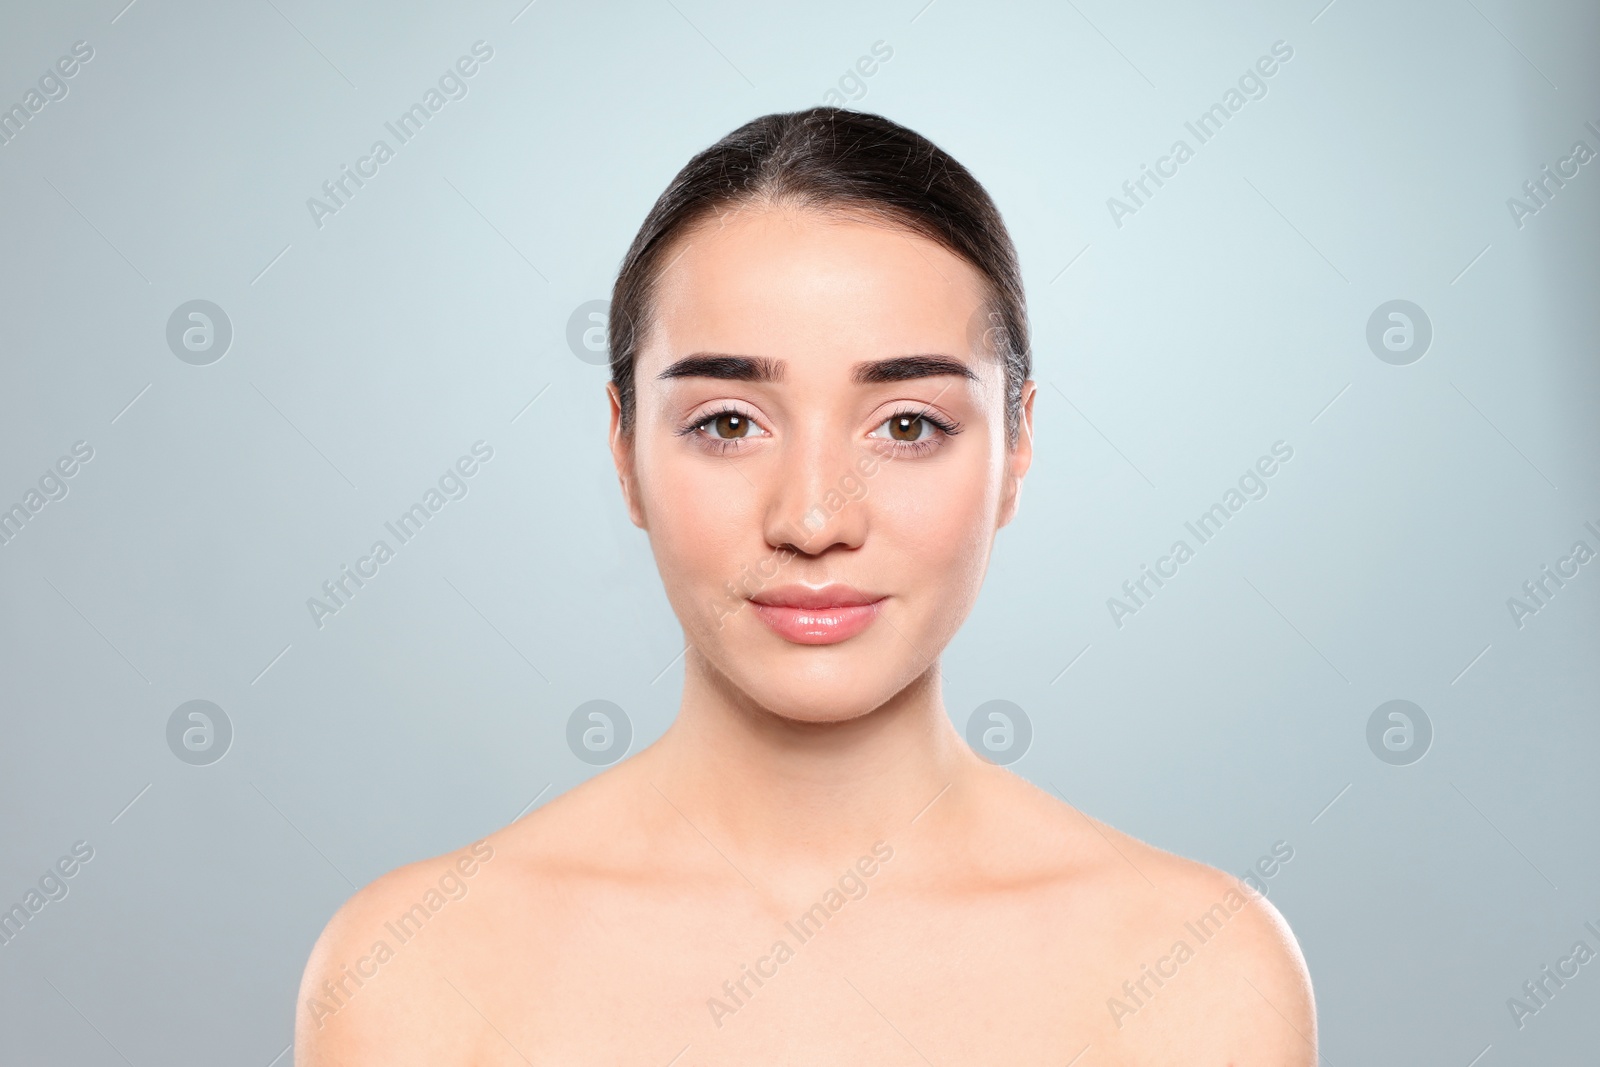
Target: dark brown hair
830,159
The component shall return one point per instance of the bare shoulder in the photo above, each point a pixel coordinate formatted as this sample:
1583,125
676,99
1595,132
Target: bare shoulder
1260,1008
371,991
1190,962
399,975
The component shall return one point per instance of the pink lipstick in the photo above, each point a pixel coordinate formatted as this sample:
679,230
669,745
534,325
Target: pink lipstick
816,615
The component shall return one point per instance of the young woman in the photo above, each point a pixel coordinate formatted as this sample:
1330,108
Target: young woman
821,416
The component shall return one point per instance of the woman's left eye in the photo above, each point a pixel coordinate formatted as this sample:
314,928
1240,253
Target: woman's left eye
908,427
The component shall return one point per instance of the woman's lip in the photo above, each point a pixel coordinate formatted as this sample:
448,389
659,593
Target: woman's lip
833,595
818,625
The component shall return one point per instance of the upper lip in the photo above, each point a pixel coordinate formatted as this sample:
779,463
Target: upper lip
824,596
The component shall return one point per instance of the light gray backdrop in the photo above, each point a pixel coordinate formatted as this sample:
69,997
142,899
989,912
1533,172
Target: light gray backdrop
440,303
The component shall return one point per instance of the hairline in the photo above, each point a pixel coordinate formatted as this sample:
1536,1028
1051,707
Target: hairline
835,208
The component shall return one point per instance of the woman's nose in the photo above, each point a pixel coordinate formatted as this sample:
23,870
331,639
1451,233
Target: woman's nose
817,498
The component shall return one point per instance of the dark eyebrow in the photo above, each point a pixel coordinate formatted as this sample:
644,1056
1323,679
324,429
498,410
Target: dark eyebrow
904,368
760,369
731,368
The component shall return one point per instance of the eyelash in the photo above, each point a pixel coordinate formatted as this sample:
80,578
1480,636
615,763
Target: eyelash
724,445
946,427
717,445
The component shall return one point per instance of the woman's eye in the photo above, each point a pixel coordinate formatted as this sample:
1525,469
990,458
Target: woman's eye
906,427
728,426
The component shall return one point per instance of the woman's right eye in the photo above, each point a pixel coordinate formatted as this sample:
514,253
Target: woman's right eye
725,428
728,425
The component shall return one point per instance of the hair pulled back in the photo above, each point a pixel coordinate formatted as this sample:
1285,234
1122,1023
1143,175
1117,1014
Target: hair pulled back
830,159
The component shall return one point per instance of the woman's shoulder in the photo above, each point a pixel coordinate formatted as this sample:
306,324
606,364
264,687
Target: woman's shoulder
389,978
1194,958
367,994
378,986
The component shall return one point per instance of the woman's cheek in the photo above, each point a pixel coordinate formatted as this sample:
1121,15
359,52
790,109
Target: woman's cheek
705,529
936,511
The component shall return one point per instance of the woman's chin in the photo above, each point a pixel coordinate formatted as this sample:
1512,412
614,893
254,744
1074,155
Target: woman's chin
815,714
836,693
822,683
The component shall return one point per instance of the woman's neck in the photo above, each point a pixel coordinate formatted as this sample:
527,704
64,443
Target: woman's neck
790,795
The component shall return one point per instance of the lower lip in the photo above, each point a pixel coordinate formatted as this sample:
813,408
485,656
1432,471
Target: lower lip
818,626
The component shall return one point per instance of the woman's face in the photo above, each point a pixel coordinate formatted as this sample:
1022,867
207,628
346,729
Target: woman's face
819,454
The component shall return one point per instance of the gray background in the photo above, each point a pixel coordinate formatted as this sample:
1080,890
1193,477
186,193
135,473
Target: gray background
368,354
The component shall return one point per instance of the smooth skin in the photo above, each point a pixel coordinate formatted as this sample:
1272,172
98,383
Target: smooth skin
958,913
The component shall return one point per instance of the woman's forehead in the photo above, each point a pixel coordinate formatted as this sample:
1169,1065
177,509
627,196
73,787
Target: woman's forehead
790,283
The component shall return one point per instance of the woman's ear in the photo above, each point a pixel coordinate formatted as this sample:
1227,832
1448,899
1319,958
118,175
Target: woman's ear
622,458
1019,458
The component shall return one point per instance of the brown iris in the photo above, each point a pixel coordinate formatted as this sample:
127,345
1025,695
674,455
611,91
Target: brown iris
905,427
731,425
